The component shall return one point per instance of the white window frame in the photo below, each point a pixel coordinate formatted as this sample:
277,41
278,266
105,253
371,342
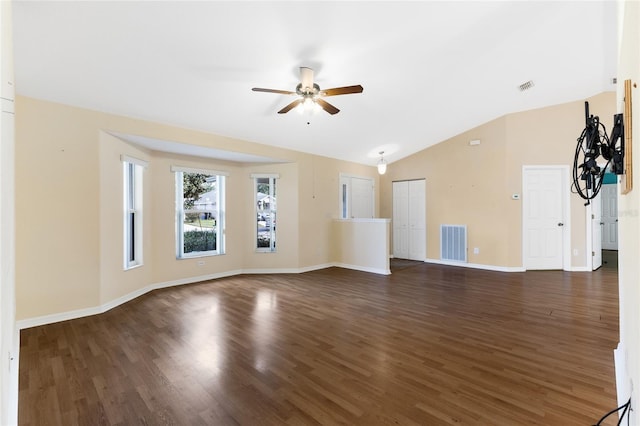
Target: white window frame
273,210
220,217
132,211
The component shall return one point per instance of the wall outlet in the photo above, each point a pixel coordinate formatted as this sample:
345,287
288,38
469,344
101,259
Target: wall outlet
476,250
200,262
575,252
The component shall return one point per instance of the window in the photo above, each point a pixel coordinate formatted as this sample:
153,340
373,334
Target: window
199,212
132,171
266,206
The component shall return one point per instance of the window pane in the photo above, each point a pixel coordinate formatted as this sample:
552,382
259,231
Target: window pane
266,214
200,213
132,220
132,237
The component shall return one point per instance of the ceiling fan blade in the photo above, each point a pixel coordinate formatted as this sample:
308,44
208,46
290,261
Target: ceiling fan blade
342,90
282,92
291,106
306,77
327,106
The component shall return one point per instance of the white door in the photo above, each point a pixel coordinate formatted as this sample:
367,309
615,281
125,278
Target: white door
361,197
409,220
401,220
356,197
543,218
609,195
417,231
596,232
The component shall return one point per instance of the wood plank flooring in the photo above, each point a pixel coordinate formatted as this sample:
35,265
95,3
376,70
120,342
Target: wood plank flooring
427,345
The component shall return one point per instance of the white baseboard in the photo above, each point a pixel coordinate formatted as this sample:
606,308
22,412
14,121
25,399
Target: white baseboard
79,313
62,316
288,270
623,383
364,269
477,266
14,370
579,269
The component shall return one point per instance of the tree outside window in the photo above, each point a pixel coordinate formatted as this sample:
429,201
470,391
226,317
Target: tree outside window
199,218
266,206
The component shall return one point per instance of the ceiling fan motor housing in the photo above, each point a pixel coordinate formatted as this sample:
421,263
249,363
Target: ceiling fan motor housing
308,92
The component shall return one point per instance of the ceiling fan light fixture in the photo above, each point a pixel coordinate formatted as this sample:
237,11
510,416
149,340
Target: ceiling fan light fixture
382,164
309,93
308,105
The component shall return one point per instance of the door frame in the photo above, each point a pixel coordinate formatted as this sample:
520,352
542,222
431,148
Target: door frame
616,185
566,213
345,178
424,218
589,233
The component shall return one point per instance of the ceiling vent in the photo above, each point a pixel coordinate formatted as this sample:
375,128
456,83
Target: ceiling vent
526,86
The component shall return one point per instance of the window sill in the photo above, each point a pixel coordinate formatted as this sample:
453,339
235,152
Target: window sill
137,265
196,256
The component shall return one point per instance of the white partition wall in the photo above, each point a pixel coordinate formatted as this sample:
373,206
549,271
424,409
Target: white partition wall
9,340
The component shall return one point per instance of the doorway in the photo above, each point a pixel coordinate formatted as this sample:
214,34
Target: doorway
409,220
356,197
545,217
609,219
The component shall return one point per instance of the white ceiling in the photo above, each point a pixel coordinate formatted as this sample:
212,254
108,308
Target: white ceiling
430,70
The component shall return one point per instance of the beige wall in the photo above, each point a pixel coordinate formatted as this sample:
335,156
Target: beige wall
69,255
464,185
69,183
547,136
57,194
472,185
114,281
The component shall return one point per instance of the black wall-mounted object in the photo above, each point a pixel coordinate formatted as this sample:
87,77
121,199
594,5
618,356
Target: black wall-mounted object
594,142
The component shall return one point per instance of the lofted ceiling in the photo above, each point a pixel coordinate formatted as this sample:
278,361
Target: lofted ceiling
430,70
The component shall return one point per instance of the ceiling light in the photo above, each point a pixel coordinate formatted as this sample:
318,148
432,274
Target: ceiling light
382,165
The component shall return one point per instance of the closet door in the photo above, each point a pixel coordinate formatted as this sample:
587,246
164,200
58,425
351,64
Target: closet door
401,220
417,225
409,220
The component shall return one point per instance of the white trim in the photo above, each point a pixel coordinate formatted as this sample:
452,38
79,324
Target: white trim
578,269
272,212
364,269
196,170
219,230
365,219
623,381
128,159
477,266
315,267
566,236
345,179
265,175
79,313
134,185
14,379
566,212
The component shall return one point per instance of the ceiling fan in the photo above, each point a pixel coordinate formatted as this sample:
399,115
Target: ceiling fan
309,93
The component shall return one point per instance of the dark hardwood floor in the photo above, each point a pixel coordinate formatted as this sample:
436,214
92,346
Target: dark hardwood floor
427,345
